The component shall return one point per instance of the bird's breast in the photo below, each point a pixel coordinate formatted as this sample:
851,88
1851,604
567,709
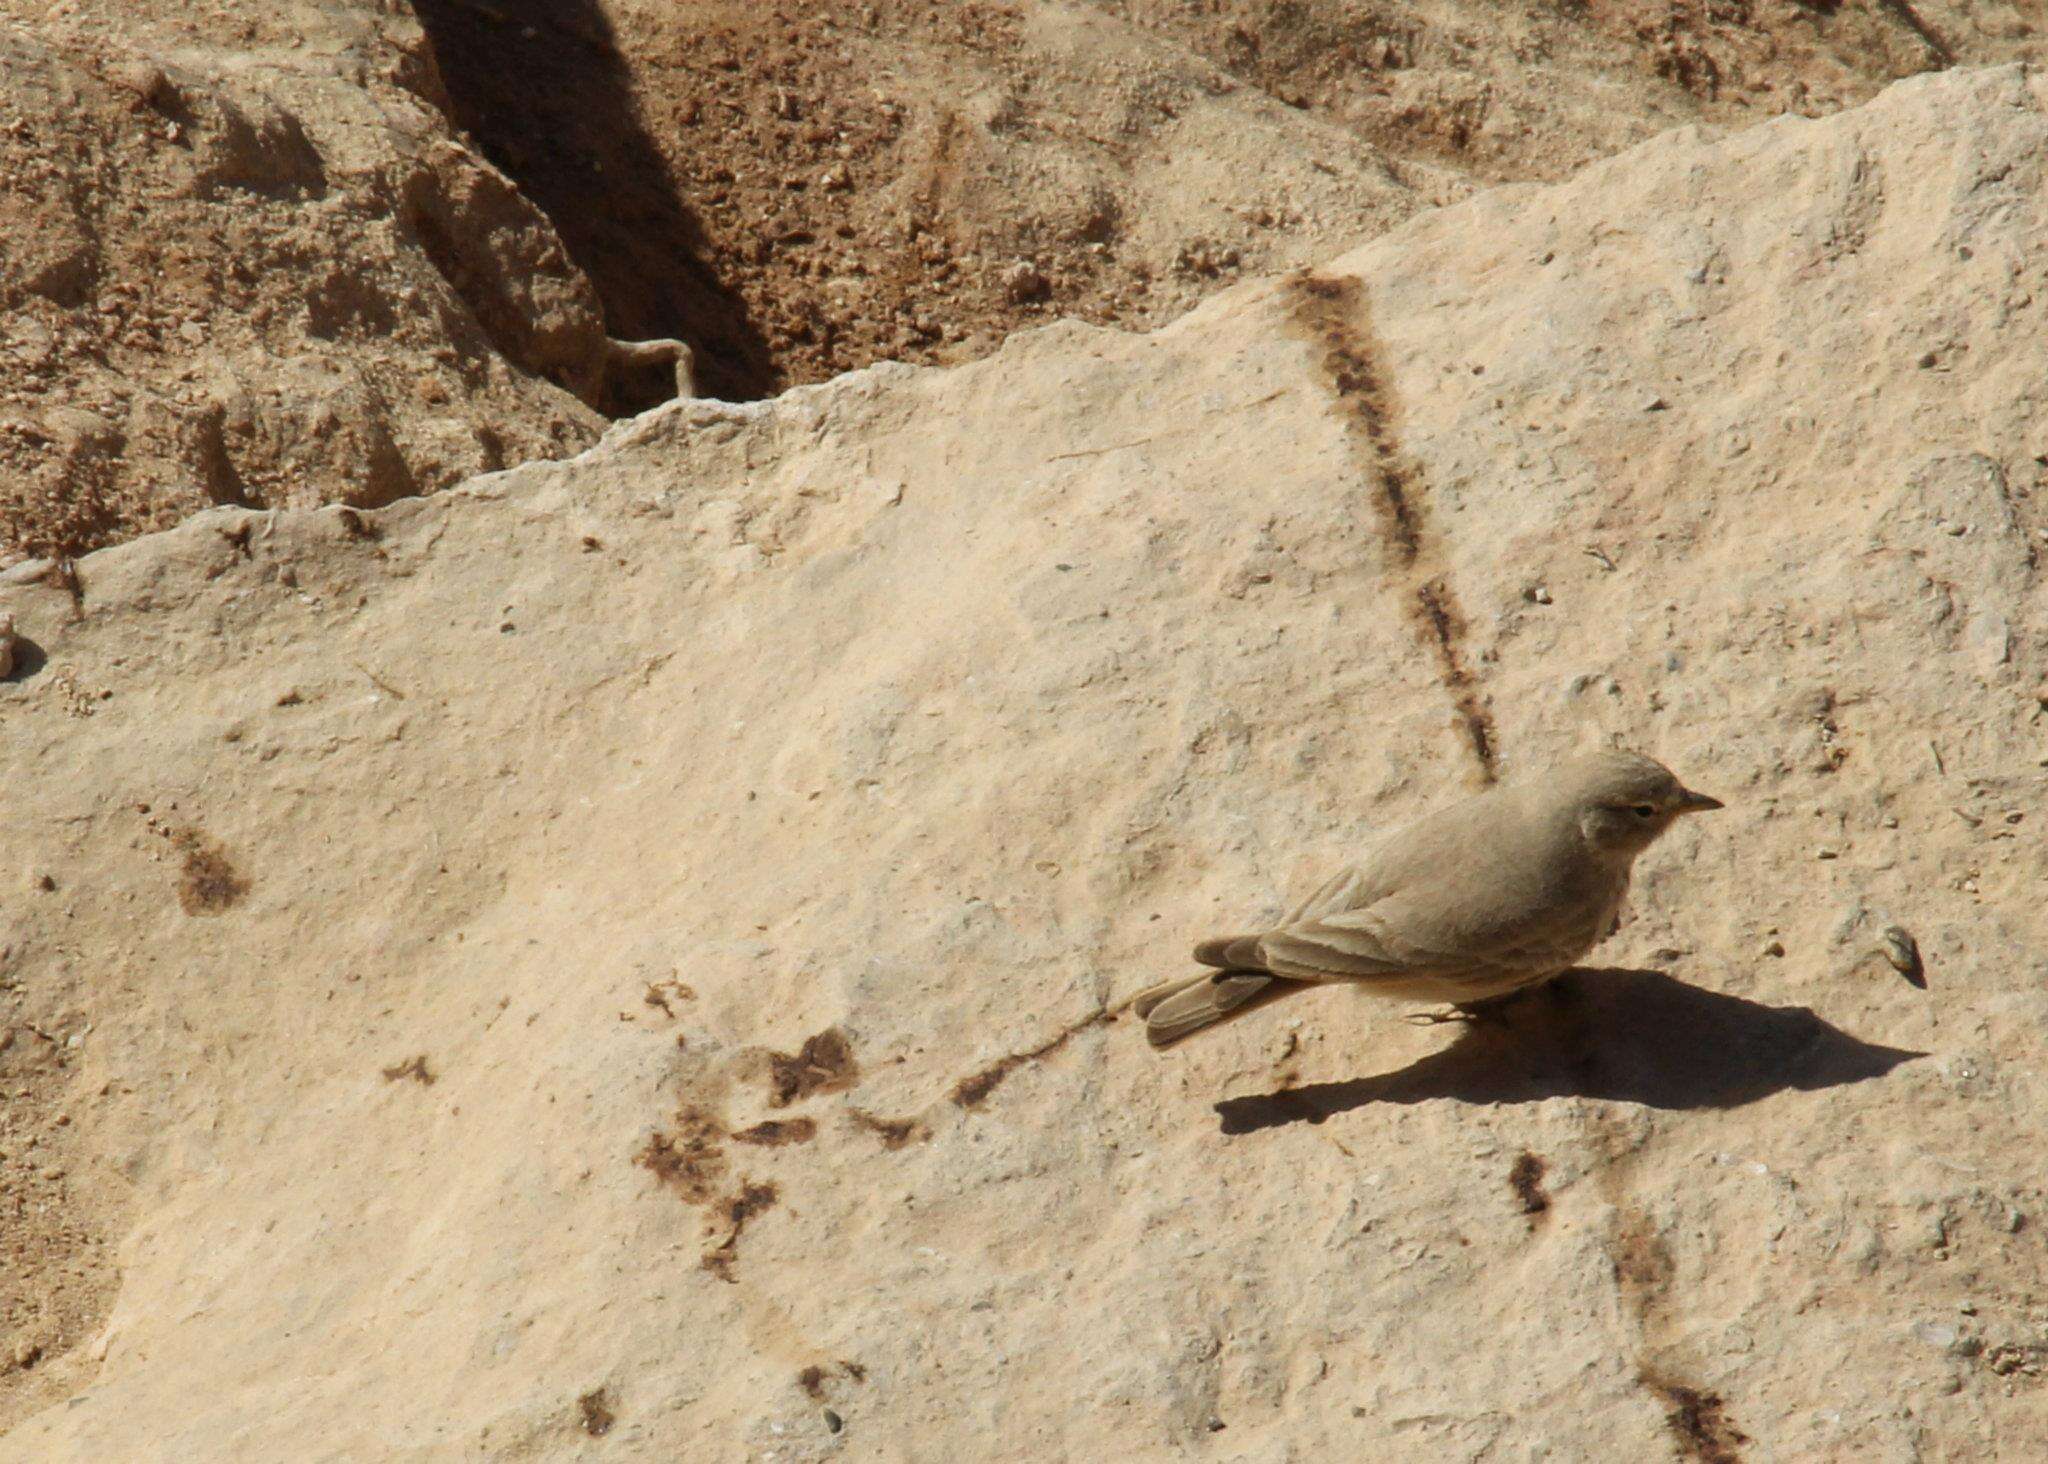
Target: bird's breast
1574,918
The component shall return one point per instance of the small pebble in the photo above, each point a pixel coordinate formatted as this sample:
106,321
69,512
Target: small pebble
1825,853
833,1421
1022,283
1936,1334
146,80
1537,595
1774,948
1904,954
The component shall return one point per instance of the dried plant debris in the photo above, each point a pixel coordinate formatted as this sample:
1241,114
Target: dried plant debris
414,1067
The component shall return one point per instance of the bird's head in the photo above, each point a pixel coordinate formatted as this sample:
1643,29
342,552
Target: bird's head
1623,801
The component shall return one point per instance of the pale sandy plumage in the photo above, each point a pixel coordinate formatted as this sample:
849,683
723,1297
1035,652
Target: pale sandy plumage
1473,902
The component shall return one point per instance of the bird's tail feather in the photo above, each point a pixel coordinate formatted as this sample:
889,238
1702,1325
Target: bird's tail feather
1232,953
1178,1009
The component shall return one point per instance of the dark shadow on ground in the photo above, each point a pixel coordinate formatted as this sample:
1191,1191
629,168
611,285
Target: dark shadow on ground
1627,1036
542,87
28,659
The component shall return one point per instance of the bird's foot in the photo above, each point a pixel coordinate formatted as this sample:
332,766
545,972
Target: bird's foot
1471,1013
1438,1019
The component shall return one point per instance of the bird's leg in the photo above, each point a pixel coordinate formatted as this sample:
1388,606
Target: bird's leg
1492,1008
1438,1019
1470,1012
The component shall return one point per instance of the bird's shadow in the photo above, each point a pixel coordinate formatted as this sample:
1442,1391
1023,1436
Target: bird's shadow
1626,1036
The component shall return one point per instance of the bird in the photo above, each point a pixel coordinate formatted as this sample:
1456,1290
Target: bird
1471,905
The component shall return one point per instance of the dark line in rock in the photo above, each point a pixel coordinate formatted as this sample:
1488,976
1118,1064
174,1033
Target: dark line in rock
1698,1420
972,1092
1328,310
1332,313
1446,628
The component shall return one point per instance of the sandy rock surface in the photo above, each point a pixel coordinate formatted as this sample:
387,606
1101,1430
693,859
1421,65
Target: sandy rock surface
622,957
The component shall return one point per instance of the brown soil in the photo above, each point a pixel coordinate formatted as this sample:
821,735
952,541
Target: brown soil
801,190
269,287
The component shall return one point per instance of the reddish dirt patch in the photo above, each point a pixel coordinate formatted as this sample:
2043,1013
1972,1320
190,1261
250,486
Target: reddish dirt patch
824,1064
594,1413
1698,1421
895,1133
208,883
414,1067
778,1131
690,1159
1526,1180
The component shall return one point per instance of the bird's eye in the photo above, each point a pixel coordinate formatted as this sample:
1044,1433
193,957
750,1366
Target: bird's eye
1644,810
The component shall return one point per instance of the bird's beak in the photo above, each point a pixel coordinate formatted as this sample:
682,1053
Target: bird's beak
1692,802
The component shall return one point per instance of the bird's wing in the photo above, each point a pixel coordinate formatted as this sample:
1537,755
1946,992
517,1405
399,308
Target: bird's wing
1447,896
1351,945
1412,857
1437,932
1343,890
